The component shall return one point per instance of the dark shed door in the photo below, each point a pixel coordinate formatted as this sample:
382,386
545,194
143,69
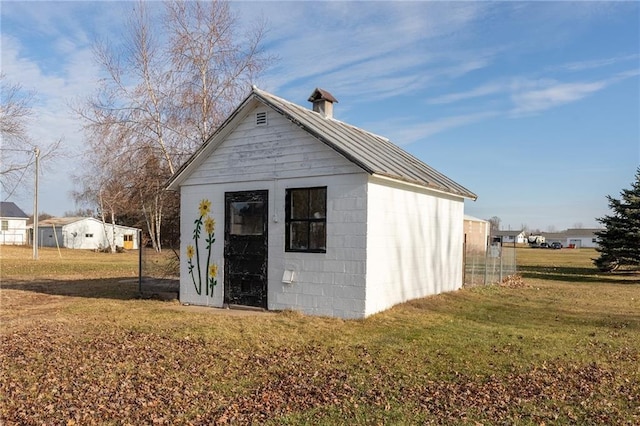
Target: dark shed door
245,248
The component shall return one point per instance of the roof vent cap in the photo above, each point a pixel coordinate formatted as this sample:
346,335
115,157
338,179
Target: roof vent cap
322,102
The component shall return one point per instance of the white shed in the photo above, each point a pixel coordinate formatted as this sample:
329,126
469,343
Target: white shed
13,224
313,215
85,233
476,234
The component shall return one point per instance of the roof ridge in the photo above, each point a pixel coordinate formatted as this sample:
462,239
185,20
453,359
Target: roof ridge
375,154
307,110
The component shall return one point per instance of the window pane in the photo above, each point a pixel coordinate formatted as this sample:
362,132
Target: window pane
298,238
247,218
318,203
318,236
299,204
306,219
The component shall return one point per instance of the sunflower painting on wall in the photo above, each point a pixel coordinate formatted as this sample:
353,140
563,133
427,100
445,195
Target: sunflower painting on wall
193,250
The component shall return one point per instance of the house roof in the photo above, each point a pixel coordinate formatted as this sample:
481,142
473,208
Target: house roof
572,232
474,219
9,209
60,221
581,232
64,221
374,154
507,233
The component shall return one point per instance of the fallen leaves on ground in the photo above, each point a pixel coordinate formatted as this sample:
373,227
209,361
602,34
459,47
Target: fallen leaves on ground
52,376
513,281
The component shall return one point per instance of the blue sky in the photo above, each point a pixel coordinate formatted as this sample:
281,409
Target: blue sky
534,106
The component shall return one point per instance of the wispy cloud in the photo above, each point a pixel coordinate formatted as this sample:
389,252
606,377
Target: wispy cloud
549,97
596,63
52,119
552,94
404,132
480,91
399,45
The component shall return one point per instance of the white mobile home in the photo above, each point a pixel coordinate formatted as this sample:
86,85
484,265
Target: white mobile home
13,224
85,233
285,207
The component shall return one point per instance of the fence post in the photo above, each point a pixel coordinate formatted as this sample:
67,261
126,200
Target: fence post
140,261
486,261
501,265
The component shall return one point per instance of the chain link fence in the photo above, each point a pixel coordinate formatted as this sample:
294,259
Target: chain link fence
490,265
159,272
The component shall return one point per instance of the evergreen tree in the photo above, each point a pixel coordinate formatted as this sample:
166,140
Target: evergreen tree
619,241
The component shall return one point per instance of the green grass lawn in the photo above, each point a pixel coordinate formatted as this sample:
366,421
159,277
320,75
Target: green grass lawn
564,348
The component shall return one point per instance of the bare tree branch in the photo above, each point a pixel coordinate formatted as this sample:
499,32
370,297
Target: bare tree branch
160,98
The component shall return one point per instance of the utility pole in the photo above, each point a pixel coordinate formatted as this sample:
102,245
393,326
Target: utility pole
35,206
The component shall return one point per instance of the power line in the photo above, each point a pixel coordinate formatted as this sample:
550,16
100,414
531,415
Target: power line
22,176
16,150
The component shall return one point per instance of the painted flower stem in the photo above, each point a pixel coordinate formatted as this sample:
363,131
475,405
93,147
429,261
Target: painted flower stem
196,237
211,270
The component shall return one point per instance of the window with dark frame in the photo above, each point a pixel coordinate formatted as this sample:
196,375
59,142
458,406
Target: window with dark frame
306,220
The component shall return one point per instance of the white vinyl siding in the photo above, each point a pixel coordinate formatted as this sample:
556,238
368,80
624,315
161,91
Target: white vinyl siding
84,234
13,232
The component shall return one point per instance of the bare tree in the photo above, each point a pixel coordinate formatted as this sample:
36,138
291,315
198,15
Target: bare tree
160,98
15,111
104,186
494,223
17,148
80,212
213,64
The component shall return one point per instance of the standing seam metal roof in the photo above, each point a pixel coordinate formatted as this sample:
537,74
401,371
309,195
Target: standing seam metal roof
374,154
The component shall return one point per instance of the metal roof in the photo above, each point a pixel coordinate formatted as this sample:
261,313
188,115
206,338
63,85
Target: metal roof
64,221
60,221
373,153
9,209
474,219
505,233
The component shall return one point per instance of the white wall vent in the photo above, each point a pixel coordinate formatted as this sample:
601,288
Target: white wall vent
261,118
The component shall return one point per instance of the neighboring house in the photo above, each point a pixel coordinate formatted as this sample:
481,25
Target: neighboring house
582,237
84,233
476,234
509,237
575,237
13,224
313,215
